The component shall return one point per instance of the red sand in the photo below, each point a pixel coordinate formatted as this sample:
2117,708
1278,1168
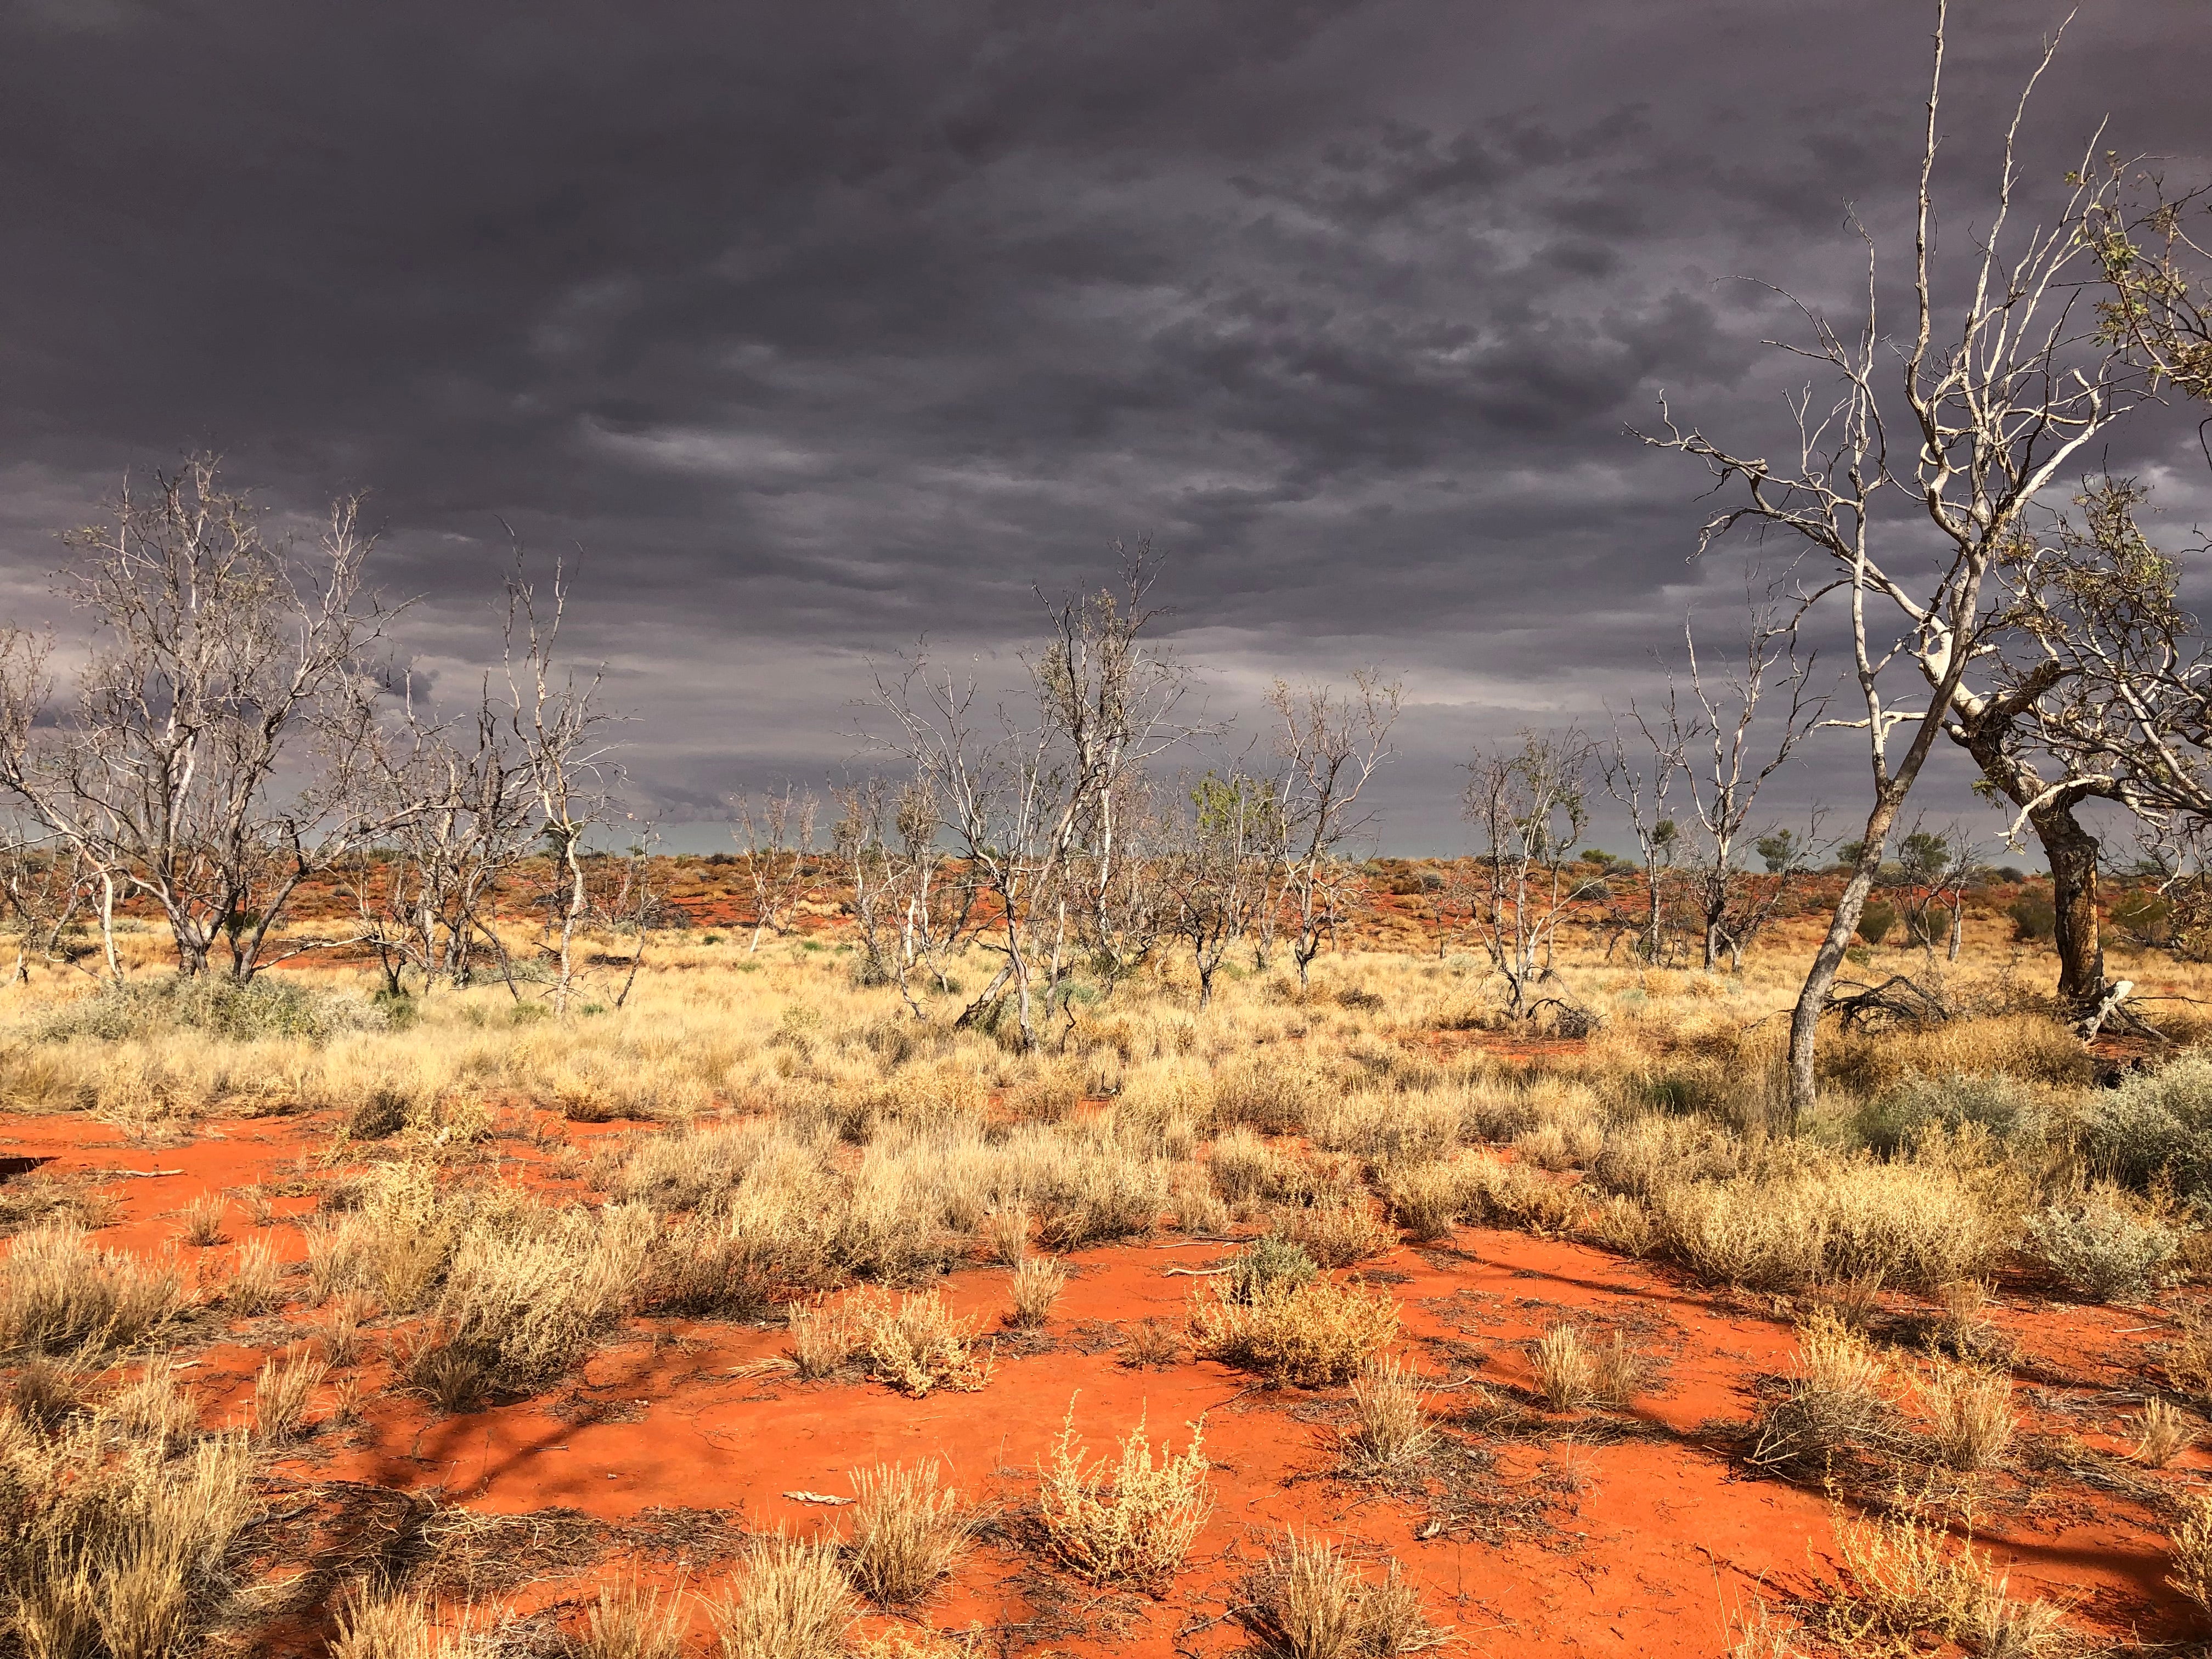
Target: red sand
1602,1533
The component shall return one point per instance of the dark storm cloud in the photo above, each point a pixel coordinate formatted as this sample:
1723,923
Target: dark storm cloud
821,327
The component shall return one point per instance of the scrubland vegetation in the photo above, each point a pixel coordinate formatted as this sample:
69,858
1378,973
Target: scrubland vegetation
478,1201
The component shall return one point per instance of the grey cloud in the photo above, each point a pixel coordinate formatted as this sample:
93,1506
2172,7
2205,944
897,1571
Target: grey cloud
818,328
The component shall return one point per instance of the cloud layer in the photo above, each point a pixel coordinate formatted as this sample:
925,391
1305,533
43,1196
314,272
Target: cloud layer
820,328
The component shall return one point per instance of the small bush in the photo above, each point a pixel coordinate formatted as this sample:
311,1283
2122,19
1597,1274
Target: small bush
906,1533
2155,1123
1313,1335
1902,1577
1892,1122
204,1219
2034,918
1304,1600
1132,1523
793,1602
1268,1262
1875,921
915,1344
267,1005
2102,1248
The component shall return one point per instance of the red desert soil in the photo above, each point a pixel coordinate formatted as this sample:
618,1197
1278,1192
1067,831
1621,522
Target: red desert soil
1632,1532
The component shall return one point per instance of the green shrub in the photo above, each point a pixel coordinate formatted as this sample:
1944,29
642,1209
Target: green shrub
1890,1123
2102,1248
2155,1123
2034,918
1270,1263
1875,921
265,1006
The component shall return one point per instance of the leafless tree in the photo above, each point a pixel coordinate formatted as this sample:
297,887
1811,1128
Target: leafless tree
1996,411
1033,792
1329,744
424,893
1639,772
215,755
563,746
777,838
1217,866
1728,754
44,892
1529,807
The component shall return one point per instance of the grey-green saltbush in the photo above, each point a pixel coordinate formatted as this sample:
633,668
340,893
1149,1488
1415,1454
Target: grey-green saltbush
2101,1249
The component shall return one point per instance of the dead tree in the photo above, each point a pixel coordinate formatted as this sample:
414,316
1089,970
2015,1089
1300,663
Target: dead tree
1728,756
1031,790
562,743
1215,866
215,755
1639,775
1529,808
1329,745
777,837
1997,409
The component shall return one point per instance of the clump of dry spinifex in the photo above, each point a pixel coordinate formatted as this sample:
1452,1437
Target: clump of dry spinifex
1306,1601
1390,1419
118,1524
1133,1522
791,1601
1572,1372
907,1533
1838,1400
1037,1281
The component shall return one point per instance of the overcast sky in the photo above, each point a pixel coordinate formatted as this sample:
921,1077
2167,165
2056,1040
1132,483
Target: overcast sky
808,330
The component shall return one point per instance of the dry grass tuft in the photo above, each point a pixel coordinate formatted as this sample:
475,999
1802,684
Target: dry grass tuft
2162,1434
823,1337
256,1277
1838,1399
1970,1412
906,1533
1310,1334
1304,1600
1337,1232
280,1393
1037,1283
388,1625
1152,1342
916,1344
1007,1235
1390,1419
631,1620
342,1339
60,1294
2192,1541
793,1602
204,1219
1565,1369
45,1393
1131,1524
